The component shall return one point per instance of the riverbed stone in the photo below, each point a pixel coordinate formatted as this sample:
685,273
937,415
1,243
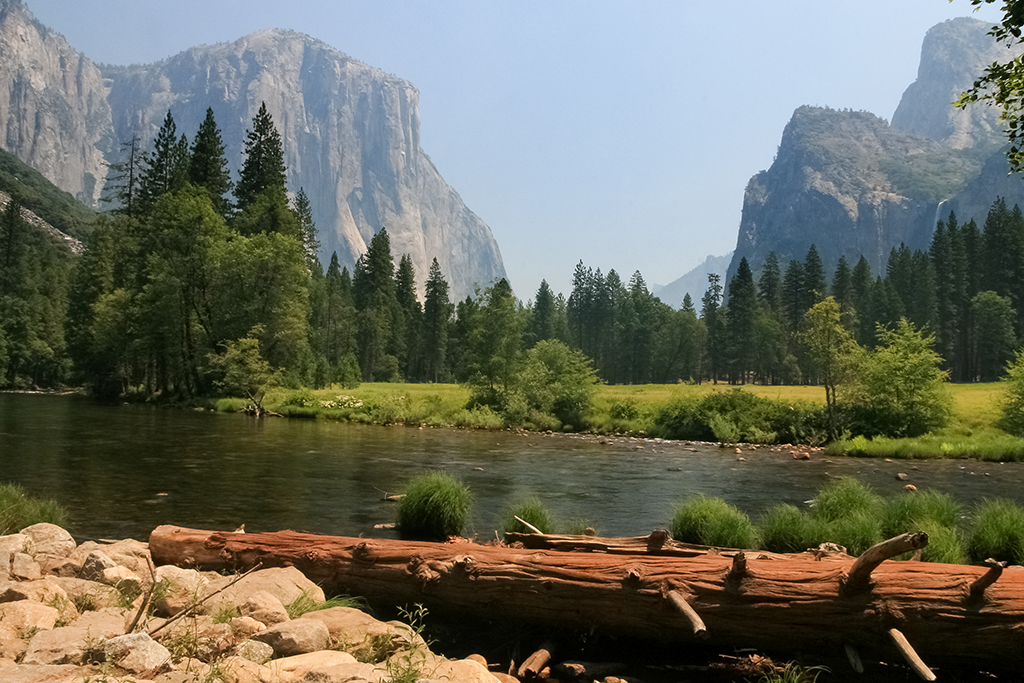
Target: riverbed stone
26,616
241,670
287,584
50,539
244,627
53,565
34,673
297,666
254,651
354,629
44,590
265,608
94,564
105,623
296,637
25,568
86,595
436,668
16,543
185,587
64,645
127,553
138,653
122,579
5,566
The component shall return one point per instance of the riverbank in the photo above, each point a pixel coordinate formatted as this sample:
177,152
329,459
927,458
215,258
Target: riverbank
631,411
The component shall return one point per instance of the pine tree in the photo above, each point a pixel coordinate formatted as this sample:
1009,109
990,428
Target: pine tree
373,292
208,167
437,313
769,286
742,308
167,166
263,170
406,348
861,284
793,294
714,322
815,286
310,240
542,323
122,187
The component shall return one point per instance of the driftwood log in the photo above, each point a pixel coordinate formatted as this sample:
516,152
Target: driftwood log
928,613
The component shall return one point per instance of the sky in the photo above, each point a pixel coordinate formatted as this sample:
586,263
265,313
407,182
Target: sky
617,133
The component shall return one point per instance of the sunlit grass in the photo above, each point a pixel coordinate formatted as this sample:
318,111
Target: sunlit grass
435,506
531,510
712,521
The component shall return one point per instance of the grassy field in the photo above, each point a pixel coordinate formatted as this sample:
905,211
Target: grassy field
972,431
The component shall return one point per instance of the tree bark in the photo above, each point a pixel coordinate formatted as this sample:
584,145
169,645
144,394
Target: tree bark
784,602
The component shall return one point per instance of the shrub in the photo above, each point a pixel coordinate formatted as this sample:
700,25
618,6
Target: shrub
997,531
434,507
945,543
1012,415
303,398
19,510
713,522
625,409
531,510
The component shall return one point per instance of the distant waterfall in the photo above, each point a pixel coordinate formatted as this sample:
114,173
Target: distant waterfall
938,211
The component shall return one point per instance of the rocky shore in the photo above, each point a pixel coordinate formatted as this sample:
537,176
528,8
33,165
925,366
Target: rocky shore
101,613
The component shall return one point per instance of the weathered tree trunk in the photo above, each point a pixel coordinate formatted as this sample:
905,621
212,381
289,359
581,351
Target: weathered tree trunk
746,599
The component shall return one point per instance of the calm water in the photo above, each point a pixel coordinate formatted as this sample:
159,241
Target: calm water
123,470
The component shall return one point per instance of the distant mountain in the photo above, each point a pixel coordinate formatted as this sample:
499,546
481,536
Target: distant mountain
852,184
350,133
694,283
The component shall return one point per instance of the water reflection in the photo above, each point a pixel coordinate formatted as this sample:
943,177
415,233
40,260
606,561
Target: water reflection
122,470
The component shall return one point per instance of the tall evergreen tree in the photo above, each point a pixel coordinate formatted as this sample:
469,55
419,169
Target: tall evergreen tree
861,285
769,286
263,170
742,309
122,188
437,314
208,167
714,322
406,348
815,285
374,295
544,319
307,228
794,294
167,167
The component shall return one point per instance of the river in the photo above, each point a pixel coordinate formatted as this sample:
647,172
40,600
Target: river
123,470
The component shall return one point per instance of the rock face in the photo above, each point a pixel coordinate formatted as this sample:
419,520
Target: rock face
54,113
350,134
852,185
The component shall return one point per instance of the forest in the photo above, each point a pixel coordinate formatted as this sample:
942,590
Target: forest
193,285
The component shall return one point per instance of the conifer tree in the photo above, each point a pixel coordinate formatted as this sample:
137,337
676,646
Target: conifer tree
310,240
542,323
769,286
714,322
741,312
815,286
167,166
123,181
373,292
437,313
263,170
410,319
208,167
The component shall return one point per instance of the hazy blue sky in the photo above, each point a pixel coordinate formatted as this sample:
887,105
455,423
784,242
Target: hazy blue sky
620,133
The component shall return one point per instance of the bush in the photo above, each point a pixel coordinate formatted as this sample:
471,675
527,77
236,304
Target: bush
712,522
19,510
531,510
846,496
945,544
434,507
625,409
997,531
910,511
1012,417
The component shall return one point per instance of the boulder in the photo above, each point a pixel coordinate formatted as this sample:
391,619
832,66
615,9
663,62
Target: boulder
297,666
185,587
127,553
264,607
255,651
105,623
26,673
26,616
434,668
50,539
53,565
11,648
16,543
94,564
87,595
123,580
241,670
244,627
25,568
347,673
5,565
355,629
138,653
65,645
46,591
287,584
296,637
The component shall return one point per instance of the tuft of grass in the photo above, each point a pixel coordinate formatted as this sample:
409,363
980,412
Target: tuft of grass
908,511
579,526
786,529
435,506
843,497
306,603
997,531
945,544
856,531
793,672
713,522
533,511
19,510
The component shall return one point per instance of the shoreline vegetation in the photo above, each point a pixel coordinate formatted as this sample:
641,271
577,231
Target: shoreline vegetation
723,414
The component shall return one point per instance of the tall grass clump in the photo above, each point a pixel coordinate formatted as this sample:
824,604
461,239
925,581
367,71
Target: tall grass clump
936,514
713,522
531,510
786,529
19,510
435,506
997,531
851,514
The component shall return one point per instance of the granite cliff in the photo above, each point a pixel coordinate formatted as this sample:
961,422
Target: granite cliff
852,184
350,133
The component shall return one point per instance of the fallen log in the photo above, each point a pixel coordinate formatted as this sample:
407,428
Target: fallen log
783,602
